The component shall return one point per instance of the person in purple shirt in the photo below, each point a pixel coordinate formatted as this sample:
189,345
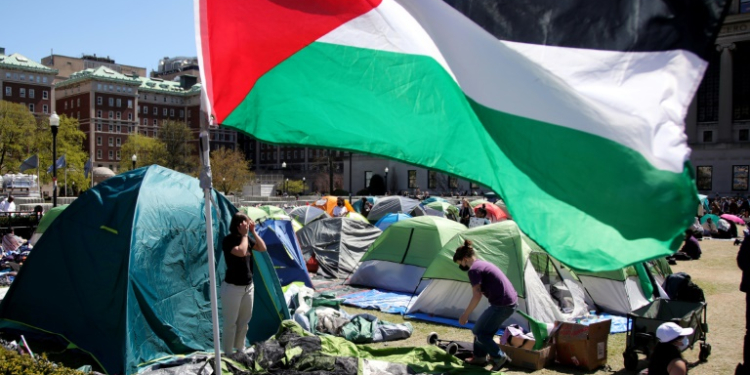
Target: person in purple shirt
691,247
488,280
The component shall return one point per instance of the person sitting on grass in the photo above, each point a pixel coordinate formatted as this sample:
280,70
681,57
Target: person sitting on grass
691,247
667,356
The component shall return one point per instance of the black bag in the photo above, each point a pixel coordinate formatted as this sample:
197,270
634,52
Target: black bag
680,287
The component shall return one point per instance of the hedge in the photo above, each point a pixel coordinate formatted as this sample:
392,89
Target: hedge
12,363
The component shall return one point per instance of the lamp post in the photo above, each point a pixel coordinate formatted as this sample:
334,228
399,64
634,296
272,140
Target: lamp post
54,124
304,186
134,158
286,186
386,180
283,166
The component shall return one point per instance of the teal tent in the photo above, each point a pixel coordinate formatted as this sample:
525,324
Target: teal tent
131,285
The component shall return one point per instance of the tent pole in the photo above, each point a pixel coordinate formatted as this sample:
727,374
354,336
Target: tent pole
205,179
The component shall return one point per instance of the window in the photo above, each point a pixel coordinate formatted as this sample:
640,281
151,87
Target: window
156,111
45,108
707,97
145,121
165,100
111,141
145,96
8,91
708,136
130,129
78,102
44,79
99,87
66,105
118,142
119,115
23,77
189,113
98,127
171,112
130,116
22,92
295,151
119,102
111,128
98,154
7,75
156,133
45,94
431,180
111,114
32,94
111,88
262,156
145,109
119,129
740,177
78,115
368,177
118,154
111,102
182,113
31,78
453,182
744,136
98,141
164,112
413,179
155,123
99,100
130,104
118,90
31,107
473,186
99,113
704,177
110,154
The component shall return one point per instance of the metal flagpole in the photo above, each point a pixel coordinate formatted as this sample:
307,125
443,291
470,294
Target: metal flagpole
206,185
66,175
38,180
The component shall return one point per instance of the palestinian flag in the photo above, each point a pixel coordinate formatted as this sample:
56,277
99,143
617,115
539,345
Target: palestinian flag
571,111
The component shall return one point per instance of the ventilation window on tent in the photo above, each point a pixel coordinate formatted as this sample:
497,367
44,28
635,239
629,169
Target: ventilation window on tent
553,282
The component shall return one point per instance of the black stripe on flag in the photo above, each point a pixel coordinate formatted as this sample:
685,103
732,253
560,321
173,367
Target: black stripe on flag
612,25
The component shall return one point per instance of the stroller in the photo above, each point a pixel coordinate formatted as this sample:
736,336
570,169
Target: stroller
643,322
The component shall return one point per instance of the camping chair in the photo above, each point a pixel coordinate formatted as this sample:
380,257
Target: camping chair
538,329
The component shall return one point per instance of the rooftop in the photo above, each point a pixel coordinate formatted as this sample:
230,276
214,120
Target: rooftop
158,85
21,62
101,73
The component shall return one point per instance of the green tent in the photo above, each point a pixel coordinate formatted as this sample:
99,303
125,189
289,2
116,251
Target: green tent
273,210
444,207
397,259
44,223
624,290
131,285
255,213
547,292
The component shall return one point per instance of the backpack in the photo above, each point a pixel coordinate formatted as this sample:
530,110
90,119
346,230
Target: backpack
680,287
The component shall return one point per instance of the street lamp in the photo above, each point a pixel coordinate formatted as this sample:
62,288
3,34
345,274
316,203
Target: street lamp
286,186
283,165
134,158
304,186
54,124
386,180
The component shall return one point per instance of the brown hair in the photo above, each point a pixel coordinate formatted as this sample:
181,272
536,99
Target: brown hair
465,251
238,218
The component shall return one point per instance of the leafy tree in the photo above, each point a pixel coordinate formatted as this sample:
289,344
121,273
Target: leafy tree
17,128
294,187
230,170
175,136
148,150
69,143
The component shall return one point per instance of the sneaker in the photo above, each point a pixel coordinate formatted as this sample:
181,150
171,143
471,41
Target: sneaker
478,361
499,363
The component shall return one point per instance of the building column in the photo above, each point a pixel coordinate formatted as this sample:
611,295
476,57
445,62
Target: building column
691,121
725,93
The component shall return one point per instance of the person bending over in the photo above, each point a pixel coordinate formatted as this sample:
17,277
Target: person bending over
488,280
237,288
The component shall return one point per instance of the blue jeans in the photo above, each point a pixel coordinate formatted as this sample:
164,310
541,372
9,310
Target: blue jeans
486,327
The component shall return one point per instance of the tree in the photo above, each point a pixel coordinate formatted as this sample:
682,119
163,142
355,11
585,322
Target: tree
148,150
175,136
17,128
69,143
294,187
377,185
230,170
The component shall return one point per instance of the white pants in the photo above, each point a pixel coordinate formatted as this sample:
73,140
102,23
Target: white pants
236,309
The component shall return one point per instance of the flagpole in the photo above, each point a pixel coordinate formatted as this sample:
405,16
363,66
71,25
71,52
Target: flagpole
38,180
66,175
206,184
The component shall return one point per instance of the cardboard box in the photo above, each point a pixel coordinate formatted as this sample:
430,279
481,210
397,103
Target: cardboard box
530,359
583,346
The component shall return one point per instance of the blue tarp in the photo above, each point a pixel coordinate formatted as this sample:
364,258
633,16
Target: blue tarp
387,302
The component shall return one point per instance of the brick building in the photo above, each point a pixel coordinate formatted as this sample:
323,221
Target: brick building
26,82
66,65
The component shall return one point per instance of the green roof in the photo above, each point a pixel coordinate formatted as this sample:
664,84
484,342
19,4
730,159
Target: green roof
101,73
21,62
166,87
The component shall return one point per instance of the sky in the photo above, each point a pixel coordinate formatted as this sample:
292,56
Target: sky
132,32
